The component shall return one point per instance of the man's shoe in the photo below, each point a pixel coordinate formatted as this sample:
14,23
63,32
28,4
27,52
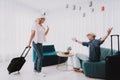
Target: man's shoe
78,70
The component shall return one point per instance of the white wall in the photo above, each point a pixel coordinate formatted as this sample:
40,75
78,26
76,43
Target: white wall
16,21
68,23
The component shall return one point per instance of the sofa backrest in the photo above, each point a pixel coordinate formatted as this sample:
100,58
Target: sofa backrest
107,52
48,48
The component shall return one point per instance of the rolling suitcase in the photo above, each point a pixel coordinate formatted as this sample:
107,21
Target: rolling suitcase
17,63
113,63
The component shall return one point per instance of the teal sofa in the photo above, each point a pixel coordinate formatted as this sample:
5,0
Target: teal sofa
97,69
49,56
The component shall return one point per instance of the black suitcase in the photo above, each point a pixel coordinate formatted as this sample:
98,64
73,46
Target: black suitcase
17,63
113,63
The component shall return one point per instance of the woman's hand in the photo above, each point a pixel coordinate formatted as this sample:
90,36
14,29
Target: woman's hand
28,46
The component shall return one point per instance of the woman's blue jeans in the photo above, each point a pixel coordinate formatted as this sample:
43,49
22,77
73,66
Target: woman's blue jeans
39,54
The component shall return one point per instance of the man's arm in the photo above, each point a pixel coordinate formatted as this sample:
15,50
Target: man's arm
80,42
108,33
75,40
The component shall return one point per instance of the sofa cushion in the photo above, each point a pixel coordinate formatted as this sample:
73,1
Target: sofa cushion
48,48
106,52
49,53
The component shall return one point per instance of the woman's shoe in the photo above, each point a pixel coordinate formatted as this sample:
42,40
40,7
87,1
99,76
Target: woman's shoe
41,74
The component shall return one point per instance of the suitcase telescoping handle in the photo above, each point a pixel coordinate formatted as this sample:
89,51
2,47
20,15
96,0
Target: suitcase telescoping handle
26,52
112,43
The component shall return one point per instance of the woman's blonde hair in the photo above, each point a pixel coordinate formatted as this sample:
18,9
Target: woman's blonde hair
39,19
